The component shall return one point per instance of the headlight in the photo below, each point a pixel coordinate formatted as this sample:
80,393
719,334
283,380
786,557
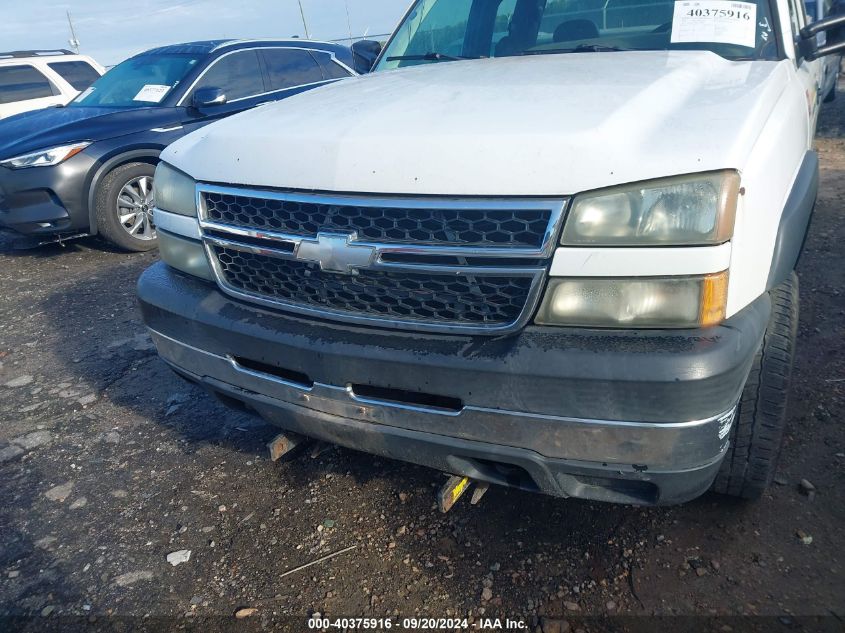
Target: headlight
45,157
185,255
684,210
175,191
648,302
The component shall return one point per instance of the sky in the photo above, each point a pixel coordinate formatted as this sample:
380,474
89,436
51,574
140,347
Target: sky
112,30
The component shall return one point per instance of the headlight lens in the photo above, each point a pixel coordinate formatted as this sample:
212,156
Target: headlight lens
45,157
648,302
685,210
185,255
175,191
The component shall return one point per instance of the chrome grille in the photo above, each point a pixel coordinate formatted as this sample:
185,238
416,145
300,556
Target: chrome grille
503,227
486,300
449,265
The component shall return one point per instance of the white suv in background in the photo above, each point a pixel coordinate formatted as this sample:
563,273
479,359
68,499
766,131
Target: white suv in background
31,80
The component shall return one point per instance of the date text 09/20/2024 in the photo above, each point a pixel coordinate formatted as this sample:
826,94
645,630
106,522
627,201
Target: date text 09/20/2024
416,624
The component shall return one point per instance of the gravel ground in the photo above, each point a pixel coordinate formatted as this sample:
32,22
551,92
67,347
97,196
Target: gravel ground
111,466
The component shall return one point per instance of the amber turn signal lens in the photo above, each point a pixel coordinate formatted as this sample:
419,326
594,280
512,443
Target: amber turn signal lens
714,298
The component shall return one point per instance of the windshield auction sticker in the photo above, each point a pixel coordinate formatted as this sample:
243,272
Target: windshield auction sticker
717,21
152,93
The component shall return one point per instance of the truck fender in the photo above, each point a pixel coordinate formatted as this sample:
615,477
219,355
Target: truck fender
795,220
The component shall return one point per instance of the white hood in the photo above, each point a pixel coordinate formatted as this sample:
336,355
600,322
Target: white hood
538,125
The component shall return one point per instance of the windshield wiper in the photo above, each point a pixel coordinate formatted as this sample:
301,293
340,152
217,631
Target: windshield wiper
428,57
584,48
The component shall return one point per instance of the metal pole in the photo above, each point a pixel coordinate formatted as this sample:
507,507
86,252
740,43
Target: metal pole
348,22
304,23
74,43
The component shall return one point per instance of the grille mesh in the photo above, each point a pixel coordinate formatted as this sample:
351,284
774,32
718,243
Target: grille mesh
470,300
518,228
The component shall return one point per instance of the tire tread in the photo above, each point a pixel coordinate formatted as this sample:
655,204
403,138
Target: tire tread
758,429
107,223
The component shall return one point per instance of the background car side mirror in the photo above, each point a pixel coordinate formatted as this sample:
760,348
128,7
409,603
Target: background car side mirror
834,27
207,97
364,55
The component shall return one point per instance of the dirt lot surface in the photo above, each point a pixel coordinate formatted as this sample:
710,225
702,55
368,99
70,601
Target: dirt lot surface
109,463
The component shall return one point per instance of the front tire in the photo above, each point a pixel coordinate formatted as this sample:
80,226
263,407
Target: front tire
124,203
757,432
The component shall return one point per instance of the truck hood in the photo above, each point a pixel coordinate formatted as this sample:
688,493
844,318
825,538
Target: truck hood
538,125
50,127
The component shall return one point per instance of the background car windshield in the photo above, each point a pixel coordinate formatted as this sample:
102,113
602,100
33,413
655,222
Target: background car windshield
142,81
501,28
78,74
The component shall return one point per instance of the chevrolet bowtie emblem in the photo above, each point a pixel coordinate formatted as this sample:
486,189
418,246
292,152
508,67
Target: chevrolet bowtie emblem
336,253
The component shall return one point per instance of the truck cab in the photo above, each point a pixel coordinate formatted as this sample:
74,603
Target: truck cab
545,244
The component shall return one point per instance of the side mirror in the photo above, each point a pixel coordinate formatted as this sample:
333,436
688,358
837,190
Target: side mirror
207,97
364,55
834,27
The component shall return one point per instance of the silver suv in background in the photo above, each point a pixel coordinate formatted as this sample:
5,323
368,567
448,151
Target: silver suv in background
31,80
819,10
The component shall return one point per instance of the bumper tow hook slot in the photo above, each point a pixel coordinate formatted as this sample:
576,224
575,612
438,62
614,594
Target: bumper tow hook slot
455,487
283,444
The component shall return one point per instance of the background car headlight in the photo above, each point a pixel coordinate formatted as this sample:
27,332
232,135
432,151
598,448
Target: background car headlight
45,157
684,210
648,302
175,191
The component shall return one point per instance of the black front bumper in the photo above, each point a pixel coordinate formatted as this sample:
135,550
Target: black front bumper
45,201
622,416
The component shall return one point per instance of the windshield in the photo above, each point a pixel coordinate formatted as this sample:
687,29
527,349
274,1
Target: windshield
142,81
444,30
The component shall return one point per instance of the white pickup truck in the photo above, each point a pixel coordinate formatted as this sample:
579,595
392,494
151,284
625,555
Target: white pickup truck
547,244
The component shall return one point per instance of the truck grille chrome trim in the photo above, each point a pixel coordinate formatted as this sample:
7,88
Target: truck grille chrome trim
500,222
313,254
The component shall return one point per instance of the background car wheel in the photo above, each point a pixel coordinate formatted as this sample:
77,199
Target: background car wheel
757,432
125,204
831,95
